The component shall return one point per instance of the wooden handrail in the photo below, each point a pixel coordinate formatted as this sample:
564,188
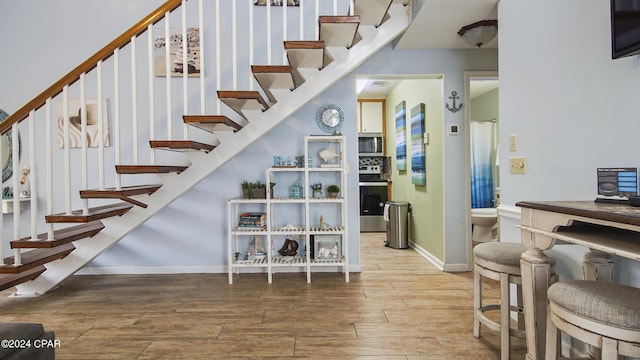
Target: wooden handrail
102,54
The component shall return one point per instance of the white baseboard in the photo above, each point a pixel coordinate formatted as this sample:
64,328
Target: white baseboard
456,268
427,255
150,270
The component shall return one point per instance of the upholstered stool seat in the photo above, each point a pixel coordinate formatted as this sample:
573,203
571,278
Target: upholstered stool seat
501,262
601,314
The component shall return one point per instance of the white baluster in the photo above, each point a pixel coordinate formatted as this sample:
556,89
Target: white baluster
234,44
251,82
16,191
101,121
185,69
83,137
218,51
268,32
150,74
67,163
134,102
201,55
49,157
167,63
32,179
116,112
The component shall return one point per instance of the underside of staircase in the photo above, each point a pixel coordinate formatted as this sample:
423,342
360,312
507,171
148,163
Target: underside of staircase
344,43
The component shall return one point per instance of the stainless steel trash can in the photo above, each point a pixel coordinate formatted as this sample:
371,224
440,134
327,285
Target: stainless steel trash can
397,213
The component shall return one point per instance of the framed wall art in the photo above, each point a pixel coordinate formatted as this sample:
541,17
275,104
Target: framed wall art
418,165
401,137
75,123
176,50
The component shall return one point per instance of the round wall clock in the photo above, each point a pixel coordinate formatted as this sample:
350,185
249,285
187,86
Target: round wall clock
330,118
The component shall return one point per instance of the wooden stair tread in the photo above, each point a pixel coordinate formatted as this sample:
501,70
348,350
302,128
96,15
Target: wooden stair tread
34,258
61,236
123,191
240,101
149,169
305,54
303,45
372,12
10,280
212,123
339,30
95,213
182,145
274,77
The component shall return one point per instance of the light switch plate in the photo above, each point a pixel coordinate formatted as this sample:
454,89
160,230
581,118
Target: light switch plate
513,143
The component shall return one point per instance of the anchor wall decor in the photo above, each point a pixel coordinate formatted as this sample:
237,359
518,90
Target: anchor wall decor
454,96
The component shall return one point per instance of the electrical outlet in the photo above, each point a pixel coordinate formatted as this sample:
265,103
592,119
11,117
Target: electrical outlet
513,143
517,165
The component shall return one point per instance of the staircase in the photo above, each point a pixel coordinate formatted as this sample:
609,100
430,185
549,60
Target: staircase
344,43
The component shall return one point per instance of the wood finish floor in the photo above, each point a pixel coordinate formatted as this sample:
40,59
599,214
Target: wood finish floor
399,307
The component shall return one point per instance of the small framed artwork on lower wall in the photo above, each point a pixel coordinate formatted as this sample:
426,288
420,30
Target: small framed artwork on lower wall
327,247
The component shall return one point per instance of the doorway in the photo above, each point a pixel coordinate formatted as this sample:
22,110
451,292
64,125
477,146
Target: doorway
482,122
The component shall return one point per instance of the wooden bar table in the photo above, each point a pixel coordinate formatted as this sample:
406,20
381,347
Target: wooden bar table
606,229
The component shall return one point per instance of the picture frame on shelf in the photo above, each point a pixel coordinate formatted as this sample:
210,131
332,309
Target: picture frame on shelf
327,248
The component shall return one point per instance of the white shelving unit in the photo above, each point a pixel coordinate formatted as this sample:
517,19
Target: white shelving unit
311,222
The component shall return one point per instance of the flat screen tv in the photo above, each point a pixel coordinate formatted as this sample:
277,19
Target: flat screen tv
625,28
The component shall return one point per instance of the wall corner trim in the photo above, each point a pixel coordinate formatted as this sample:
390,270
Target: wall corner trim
510,211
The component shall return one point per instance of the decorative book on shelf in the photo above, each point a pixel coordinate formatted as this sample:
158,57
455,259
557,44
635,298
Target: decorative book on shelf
253,220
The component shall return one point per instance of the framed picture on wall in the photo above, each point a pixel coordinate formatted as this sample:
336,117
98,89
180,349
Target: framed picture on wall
176,51
418,165
91,113
401,137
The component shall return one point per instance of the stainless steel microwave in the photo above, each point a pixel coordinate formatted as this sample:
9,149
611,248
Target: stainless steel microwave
370,144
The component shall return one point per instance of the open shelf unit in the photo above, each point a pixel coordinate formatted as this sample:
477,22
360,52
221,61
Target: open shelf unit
317,225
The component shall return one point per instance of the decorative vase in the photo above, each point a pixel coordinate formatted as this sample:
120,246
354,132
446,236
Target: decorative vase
317,194
25,185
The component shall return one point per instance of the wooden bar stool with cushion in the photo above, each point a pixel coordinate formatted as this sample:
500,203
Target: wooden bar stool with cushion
601,314
501,262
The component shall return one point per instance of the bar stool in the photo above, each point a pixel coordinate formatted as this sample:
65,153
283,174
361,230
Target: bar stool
601,314
501,262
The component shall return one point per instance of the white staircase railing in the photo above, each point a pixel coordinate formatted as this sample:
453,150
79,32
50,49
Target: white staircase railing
104,108
114,84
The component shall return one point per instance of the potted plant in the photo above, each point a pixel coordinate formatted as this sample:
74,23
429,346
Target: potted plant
333,191
317,190
255,189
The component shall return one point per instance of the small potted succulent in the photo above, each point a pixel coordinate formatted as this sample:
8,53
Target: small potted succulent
333,191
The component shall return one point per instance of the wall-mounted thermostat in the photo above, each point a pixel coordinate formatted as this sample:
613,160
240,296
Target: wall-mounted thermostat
454,129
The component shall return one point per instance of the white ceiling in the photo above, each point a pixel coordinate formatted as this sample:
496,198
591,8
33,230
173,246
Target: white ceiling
436,26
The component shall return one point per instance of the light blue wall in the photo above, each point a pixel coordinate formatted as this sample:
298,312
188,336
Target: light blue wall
572,107
49,39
